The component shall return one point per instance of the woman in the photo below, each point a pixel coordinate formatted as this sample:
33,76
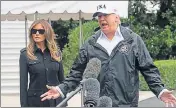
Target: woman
42,61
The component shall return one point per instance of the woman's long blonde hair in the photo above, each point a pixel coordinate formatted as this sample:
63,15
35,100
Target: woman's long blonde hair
50,42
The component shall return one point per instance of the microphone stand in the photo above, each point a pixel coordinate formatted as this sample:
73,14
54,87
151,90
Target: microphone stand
71,95
82,103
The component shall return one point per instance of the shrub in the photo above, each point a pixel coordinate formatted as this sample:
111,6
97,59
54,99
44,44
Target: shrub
72,48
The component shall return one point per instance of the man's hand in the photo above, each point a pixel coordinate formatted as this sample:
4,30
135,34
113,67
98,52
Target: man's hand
51,94
168,98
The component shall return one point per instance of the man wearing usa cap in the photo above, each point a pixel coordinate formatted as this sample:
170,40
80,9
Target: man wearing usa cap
122,53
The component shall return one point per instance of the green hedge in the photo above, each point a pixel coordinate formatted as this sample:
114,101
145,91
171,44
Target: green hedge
167,70
72,48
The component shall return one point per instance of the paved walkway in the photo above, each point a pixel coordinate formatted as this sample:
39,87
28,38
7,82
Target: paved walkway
75,101
151,102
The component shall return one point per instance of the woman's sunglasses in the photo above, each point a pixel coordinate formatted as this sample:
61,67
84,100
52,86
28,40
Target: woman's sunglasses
40,31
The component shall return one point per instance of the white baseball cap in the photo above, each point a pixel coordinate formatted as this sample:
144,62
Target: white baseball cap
102,9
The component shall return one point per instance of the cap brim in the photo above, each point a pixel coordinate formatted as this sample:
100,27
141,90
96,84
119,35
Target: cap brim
96,13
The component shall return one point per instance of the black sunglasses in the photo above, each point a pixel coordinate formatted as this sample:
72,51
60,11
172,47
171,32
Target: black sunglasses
40,31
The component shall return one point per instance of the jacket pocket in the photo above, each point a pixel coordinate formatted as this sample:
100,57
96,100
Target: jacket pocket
33,66
33,62
34,99
131,80
132,87
33,92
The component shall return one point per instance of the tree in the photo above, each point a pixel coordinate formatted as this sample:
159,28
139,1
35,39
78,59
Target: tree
157,29
164,6
139,11
61,29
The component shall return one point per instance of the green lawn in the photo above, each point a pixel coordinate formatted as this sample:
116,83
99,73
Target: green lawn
167,70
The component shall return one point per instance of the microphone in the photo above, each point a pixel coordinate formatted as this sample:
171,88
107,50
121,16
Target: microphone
104,101
91,91
92,70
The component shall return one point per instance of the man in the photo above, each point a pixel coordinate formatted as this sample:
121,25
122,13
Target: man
122,54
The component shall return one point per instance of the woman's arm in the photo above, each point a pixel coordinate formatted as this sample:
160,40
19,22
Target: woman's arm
23,79
61,73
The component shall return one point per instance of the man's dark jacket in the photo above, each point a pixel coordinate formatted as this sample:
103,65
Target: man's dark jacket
119,77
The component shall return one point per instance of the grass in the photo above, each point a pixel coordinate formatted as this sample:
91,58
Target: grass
167,70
